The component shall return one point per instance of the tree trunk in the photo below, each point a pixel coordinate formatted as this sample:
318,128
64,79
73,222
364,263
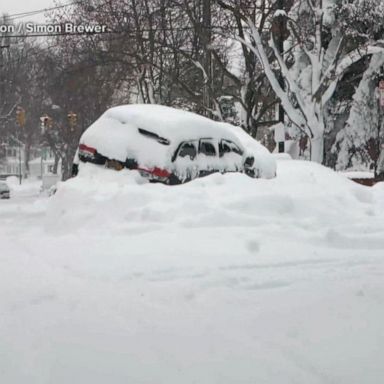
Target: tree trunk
317,148
56,164
27,155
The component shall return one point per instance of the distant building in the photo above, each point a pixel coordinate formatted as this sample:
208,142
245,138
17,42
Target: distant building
12,161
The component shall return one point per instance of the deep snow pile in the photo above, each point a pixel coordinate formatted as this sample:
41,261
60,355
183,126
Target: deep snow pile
308,195
226,279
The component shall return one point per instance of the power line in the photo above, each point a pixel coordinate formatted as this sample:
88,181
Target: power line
36,12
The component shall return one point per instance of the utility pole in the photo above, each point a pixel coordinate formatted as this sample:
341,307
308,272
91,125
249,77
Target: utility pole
20,121
207,57
379,165
279,40
46,122
72,122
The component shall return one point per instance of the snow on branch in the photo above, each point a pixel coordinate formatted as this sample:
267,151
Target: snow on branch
199,66
336,73
259,51
11,111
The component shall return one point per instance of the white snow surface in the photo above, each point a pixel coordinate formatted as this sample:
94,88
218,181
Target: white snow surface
358,175
280,12
225,279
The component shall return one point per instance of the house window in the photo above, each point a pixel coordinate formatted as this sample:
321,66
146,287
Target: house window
11,152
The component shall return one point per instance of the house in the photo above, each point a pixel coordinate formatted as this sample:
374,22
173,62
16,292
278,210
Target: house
12,161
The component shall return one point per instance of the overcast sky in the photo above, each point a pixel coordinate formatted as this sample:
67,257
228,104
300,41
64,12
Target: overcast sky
19,6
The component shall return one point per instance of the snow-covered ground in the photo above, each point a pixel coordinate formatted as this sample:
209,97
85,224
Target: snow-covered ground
226,279
359,175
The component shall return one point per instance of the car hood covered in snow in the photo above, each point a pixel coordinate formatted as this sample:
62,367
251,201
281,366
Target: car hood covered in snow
265,162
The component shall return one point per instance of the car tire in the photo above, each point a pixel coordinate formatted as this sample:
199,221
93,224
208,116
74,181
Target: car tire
251,173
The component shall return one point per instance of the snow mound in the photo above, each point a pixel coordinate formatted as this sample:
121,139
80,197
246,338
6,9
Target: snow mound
28,187
226,279
358,175
302,194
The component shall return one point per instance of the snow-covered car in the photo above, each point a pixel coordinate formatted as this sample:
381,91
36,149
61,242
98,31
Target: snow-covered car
170,145
4,190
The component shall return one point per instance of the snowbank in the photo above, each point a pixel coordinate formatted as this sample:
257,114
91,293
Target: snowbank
28,187
105,200
358,175
223,280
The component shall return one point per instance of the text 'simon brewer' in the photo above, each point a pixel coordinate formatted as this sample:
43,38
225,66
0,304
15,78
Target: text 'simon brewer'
65,28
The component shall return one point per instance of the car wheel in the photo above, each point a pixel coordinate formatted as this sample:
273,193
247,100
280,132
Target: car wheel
251,173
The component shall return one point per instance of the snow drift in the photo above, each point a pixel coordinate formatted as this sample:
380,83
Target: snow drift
223,280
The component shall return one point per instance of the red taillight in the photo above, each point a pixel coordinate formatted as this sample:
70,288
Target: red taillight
85,148
163,173
154,173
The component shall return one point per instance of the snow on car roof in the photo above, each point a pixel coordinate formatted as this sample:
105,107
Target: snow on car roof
165,121
115,134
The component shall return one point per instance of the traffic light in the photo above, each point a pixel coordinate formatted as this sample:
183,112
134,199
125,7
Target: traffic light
20,116
72,120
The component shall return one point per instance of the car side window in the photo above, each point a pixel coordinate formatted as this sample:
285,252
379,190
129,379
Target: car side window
227,146
207,148
187,149
224,148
